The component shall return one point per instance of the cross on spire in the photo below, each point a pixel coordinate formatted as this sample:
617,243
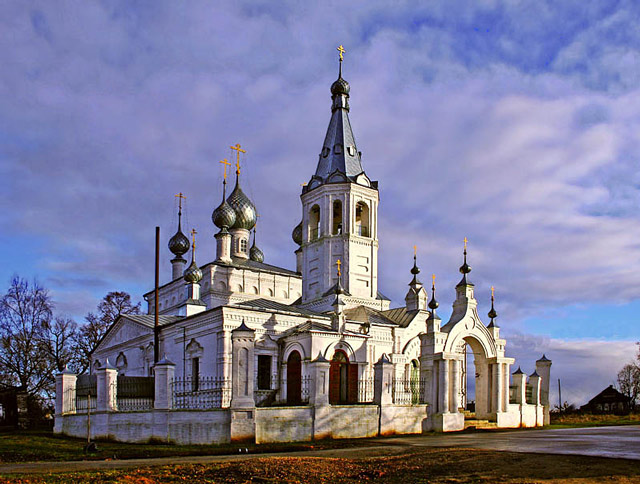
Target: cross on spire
339,264
342,51
180,197
239,150
465,244
225,163
193,238
433,281
492,294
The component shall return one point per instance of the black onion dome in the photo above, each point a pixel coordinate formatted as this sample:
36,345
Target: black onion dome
224,215
243,207
193,274
433,304
340,86
492,313
179,244
465,268
296,235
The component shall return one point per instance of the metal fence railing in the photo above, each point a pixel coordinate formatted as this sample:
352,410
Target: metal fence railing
409,391
135,393
201,394
365,390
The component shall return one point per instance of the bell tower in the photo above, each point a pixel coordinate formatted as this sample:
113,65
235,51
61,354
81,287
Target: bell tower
339,217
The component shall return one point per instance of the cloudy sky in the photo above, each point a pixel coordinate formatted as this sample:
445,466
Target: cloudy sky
515,124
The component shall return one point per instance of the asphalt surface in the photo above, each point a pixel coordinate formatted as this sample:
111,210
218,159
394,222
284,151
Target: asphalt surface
615,442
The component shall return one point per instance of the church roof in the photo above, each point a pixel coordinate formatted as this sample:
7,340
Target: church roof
149,319
366,314
269,305
339,152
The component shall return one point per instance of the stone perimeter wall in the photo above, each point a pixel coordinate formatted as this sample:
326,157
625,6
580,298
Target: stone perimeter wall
281,424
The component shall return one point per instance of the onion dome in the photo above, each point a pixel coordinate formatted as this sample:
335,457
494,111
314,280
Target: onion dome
255,253
193,274
224,216
296,235
244,209
340,86
179,244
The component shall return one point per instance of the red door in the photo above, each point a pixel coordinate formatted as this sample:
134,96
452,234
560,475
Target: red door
294,379
339,378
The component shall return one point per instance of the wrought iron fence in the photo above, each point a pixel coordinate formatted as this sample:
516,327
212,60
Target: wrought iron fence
279,392
265,397
408,391
69,400
135,393
85,393
365,390
201,394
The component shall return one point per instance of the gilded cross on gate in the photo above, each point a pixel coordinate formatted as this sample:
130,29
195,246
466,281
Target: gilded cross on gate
465,244
492,293
238,151
342,51
433,281
225,163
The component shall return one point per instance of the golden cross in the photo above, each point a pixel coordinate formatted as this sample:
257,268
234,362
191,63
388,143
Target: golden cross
433,280
225,163
342,51
238,151
193,238
465,243
492,293
303,184
180,197
415,250
339,263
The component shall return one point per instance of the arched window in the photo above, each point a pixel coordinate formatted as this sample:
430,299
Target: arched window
243,245
294,379
314,223
336,225
362,219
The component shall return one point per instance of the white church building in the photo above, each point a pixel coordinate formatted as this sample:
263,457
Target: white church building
239,349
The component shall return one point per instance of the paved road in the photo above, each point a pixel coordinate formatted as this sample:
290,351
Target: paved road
616,442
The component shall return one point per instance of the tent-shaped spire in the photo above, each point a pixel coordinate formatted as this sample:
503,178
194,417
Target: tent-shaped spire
339,152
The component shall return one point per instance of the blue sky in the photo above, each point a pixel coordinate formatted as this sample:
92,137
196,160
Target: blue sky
514,124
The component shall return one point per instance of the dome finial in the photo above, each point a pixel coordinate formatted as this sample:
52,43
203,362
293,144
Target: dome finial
433,304
464,268
179,243
341,50
415,270
492,313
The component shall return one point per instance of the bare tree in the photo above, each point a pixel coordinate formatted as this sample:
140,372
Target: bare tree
25,316
60,338
629,383
114,304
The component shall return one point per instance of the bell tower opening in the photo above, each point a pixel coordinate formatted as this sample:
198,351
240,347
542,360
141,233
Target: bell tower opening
362,220
314,223
336,228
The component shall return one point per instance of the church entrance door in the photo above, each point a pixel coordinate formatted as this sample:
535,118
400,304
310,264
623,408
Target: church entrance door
294,379
343,380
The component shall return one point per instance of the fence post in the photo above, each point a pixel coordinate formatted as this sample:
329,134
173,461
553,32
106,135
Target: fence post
65,397
520,383
164,371
383,381
535,384
319,385
242,384
107,379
